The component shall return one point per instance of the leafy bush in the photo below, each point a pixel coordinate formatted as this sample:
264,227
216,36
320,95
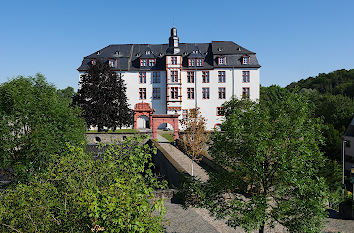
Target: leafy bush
35,123
113,193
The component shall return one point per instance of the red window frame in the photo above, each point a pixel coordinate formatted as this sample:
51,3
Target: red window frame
190,76
245,60
205,77
190,93
142,93
199,62
222,76
142,77
222,92
143,62
174,60
114,63
245,76
152,62
246,92
220,111
206,93
174,92
221,61
174,76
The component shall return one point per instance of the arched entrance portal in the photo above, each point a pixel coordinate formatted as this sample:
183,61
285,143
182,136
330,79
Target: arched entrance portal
144,112
157,120
143,122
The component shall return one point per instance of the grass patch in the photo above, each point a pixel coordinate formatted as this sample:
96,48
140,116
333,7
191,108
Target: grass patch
168,136
116,131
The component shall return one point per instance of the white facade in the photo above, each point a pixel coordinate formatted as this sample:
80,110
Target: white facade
173,89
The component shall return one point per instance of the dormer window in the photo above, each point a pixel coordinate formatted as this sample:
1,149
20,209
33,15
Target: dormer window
143,62
195,62
191,62
221,60
199,62
93,62
152,62
245,60
112,63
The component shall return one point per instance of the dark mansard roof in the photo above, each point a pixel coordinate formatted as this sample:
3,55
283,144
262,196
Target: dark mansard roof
128,55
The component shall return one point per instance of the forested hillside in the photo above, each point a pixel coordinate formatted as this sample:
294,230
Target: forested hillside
332,96
336,82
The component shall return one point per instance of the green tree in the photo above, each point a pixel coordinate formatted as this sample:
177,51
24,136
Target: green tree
78,193
194,136
35,123
336,82
271,159
102,96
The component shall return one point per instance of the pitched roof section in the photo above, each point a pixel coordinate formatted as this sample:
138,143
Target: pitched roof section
128,55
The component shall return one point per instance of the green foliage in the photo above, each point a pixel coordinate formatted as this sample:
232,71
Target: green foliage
35,123
169,136
102,96
336,82
271,158
77,193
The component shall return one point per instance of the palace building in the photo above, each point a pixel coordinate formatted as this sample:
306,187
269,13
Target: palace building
172,78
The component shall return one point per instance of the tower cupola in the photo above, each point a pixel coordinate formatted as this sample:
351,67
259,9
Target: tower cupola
173,42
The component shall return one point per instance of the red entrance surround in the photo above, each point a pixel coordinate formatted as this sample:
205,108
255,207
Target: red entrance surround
157,120
144,109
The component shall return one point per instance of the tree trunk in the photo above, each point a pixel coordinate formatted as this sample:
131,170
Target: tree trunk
261,229
99,128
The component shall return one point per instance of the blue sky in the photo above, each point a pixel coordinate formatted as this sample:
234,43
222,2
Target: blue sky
292,39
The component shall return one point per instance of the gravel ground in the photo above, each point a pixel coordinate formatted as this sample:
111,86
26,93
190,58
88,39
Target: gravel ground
198,220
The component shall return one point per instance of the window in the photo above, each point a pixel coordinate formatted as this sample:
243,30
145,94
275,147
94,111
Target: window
191,62
112,63
221,76
190,76
205,76
174,60
246,60
219,111
151,62
246,92
199,62
206,93
143,62
93,62
185,114
142,77
156,77
190,93
222,93
142,93
174,92
221,61
156,93
246,76
174,76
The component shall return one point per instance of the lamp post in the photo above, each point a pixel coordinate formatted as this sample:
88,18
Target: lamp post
343,164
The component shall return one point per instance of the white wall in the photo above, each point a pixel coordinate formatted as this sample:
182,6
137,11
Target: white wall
132,82
208,107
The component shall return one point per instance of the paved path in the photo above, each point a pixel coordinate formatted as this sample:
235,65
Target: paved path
183,160
198,220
